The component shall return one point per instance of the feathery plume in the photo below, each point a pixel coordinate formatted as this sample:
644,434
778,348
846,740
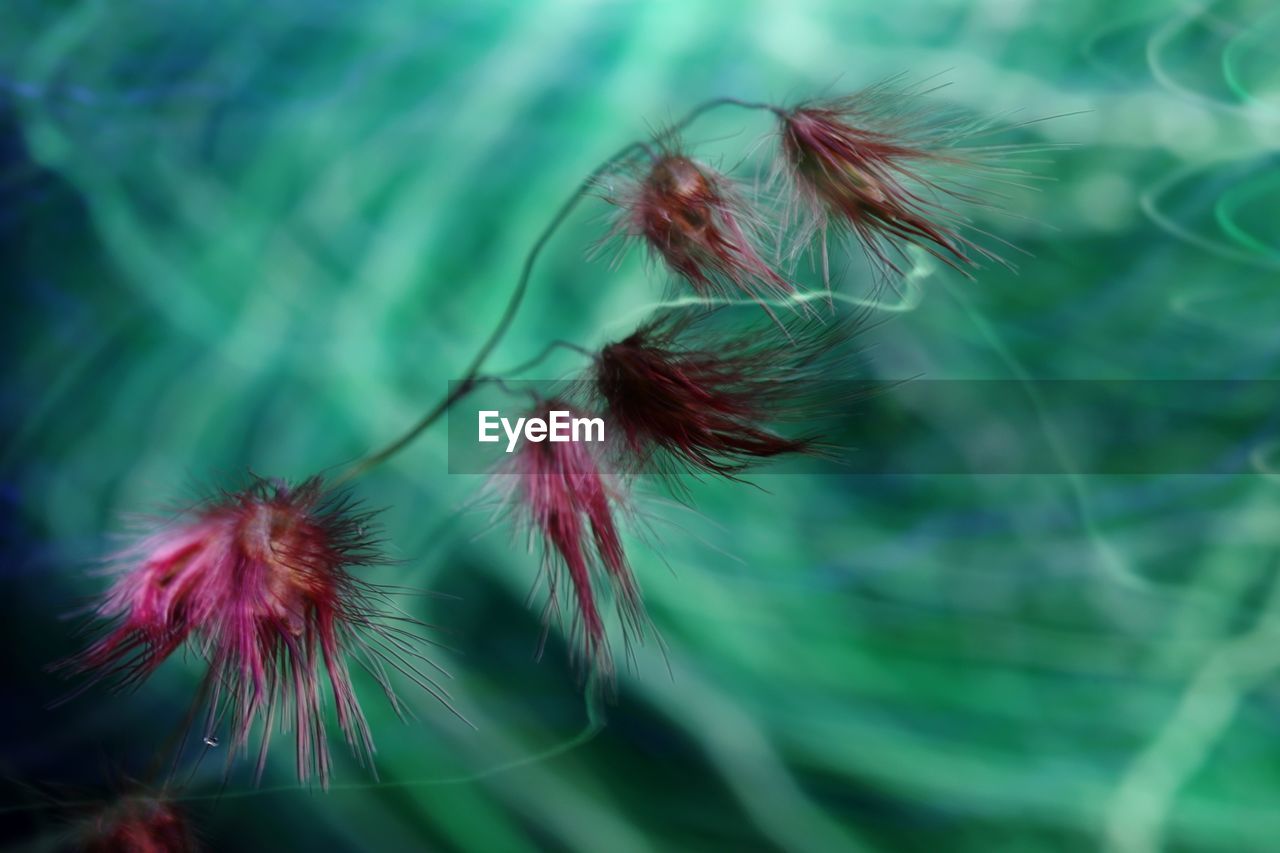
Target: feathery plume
697,222
258,581
563,495
883,166
681,393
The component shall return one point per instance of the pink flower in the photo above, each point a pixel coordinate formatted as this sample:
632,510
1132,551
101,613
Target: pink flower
140,825
694,220
876,163
678,392
258,581
560,492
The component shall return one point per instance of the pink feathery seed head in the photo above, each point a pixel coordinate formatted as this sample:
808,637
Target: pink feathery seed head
890,171
258,580
697,223
681,395
140,825
562,494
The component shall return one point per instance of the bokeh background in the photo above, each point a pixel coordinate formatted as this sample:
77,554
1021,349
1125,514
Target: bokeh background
264,235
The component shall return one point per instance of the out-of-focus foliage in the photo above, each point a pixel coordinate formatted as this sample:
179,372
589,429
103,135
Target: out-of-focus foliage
265,235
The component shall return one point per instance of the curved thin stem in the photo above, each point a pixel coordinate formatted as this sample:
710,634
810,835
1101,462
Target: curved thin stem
707,106
463,387
546,351
507,387
470,375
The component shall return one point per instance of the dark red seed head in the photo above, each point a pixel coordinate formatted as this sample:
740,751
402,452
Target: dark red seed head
676,395
694,220
563,492
140,825
884,167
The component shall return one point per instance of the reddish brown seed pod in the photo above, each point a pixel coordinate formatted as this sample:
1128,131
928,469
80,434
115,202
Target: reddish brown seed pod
685,392
695,221
705,409
888,169
566,497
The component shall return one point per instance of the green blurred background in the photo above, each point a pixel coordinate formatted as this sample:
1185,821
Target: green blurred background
264,235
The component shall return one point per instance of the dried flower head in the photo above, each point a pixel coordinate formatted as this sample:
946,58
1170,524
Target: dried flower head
140,825
698,224
563,496
891,171
681,393
258,580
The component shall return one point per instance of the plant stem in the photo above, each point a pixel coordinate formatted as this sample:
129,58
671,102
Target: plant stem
470,376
